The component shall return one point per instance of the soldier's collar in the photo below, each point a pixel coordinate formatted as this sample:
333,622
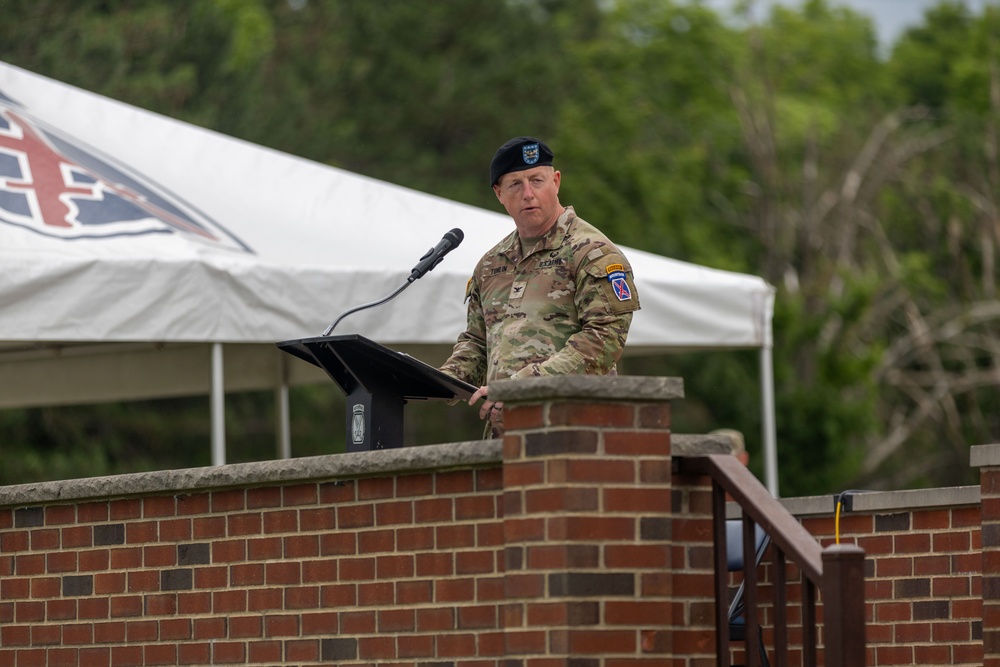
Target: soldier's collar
511,246
554,237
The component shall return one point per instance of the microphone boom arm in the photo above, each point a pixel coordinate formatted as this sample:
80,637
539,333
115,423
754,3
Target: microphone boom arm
430,259
399,289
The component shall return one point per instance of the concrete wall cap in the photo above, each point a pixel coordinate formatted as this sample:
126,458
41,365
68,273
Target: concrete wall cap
682,444
982,456
601,387
875,502
457,455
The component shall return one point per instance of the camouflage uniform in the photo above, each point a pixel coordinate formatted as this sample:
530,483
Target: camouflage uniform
563,307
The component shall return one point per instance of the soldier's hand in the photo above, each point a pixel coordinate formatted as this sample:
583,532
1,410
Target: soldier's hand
489,409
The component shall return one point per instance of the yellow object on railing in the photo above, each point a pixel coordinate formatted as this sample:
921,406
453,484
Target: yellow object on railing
836,519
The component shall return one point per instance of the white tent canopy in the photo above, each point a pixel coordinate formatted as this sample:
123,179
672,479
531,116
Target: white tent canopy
135,248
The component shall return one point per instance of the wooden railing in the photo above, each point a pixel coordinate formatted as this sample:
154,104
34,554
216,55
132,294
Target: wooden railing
836,572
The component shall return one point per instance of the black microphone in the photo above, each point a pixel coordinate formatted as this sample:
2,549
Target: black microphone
434,256
430,259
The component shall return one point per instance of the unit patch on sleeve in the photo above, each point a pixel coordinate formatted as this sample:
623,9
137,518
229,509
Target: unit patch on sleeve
620,286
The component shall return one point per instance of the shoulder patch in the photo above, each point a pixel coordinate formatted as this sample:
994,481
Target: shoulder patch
468,289
619,285
611,268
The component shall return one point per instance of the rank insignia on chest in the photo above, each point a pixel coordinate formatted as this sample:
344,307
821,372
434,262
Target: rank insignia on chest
621,288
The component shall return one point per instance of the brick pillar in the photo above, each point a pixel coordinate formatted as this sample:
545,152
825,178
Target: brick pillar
987,459
692,553
586,519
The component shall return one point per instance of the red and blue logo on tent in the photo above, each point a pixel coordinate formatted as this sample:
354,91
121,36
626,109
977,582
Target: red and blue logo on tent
54,185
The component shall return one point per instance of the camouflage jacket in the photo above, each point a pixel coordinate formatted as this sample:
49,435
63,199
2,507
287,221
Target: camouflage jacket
564,307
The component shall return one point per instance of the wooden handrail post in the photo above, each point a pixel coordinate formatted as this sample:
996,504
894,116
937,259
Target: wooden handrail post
843,594
721,576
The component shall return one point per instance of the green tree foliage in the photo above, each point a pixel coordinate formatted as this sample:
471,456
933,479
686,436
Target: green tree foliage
647,140
938,373
925,59
864,187
410,92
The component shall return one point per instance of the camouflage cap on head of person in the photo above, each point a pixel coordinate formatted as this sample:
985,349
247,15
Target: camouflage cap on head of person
518,154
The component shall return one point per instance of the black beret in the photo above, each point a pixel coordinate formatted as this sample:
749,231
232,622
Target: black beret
518,154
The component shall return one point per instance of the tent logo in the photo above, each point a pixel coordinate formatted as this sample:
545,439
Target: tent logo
53,185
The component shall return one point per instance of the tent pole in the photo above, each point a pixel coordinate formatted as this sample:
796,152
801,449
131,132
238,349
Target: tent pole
768,420
218,408
283,435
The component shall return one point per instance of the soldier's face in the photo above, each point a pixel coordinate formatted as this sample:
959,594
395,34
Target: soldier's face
531,198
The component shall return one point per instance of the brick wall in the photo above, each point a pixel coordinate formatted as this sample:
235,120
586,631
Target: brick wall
923,568
586,507
923,572
378,569
569,543
693,604
548,547
987,459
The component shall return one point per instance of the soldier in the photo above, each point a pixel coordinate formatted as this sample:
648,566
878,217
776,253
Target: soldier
553,297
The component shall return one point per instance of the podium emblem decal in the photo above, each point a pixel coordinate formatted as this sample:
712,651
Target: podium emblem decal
358,424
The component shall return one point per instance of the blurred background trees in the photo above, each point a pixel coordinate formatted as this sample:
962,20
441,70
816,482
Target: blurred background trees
861,180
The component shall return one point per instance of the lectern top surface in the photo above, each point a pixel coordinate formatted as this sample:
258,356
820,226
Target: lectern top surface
352,360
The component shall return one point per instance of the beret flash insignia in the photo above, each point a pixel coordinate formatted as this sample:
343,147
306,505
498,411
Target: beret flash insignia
530,153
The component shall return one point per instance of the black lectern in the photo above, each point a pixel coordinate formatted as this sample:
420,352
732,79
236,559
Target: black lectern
378,383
